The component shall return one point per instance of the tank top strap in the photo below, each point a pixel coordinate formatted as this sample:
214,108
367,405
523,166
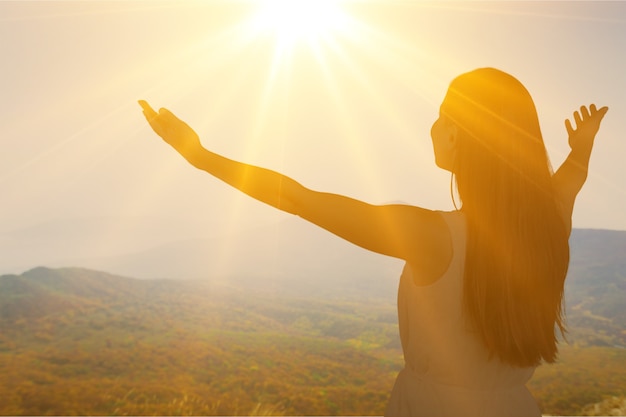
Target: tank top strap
456,225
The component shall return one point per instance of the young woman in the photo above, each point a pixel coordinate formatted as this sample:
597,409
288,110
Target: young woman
480,296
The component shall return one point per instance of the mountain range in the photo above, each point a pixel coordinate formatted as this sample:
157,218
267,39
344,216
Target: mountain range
331,269
291,254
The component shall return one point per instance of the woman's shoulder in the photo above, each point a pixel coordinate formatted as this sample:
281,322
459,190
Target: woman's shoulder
434,247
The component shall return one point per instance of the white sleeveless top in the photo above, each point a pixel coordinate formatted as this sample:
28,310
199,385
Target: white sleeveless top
447,368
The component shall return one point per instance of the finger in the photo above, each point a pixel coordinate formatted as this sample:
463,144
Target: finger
584,112
599,113
568,127
577,119
147,110
168,115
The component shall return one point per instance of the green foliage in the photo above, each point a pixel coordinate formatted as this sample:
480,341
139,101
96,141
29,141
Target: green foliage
76,342
188,348
580,377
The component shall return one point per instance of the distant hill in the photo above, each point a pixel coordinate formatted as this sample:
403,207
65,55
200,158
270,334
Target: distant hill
288,255
291,254
298,259
43,291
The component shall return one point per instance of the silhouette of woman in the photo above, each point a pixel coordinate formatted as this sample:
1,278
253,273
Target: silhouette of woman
480,295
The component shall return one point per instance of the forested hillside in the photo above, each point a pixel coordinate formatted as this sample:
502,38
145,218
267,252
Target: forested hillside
79,342
75,341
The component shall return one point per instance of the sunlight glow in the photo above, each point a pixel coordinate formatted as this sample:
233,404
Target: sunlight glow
301,54
292,21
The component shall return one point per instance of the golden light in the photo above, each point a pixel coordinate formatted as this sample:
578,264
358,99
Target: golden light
292,21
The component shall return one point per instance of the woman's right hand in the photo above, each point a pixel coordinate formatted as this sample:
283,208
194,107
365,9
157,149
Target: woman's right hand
173,130
587,125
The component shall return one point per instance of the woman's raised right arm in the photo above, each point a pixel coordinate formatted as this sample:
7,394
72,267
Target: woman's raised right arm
568,180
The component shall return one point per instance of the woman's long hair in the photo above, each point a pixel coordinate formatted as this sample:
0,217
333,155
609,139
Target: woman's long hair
517,242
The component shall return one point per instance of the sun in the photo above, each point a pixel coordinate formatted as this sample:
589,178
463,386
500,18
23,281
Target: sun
293,21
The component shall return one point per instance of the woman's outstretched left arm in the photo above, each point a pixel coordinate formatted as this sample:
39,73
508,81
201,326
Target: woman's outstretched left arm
411,233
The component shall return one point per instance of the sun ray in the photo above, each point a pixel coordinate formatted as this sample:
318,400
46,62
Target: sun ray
350,131
284,21
275,93
375,95
274,42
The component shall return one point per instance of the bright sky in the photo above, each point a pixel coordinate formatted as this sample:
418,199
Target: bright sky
341,99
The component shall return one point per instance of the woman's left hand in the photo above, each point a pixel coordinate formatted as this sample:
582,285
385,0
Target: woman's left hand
173,130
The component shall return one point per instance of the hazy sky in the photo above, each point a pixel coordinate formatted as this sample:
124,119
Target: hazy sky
349,112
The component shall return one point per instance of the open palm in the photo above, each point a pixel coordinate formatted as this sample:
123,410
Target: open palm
173,130
587,125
